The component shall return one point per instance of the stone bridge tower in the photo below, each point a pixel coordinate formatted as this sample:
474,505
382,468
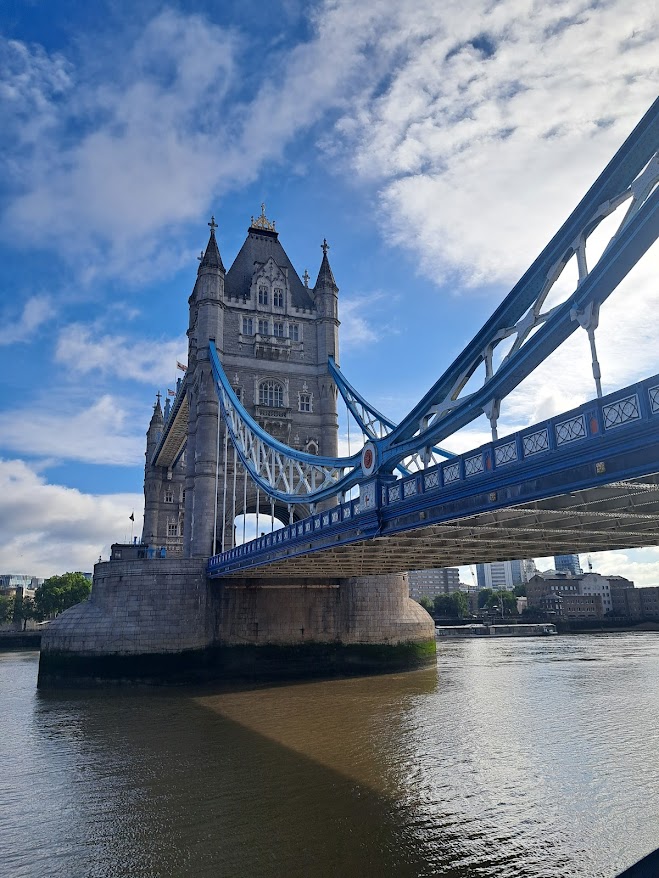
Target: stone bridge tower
274,334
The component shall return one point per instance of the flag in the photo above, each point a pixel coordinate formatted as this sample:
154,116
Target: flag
171,392
132,516
181,366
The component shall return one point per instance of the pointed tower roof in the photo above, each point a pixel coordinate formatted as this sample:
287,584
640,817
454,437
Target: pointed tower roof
211,258
157,416
261,244
325,276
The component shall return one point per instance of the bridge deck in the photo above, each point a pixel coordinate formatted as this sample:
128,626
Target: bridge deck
617,516
586,480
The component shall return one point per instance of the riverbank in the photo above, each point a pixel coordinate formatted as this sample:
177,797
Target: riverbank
12,640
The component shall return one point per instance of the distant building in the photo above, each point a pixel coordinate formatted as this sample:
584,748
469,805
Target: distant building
430,583
635,603
500,575
22,583
568,564
589,595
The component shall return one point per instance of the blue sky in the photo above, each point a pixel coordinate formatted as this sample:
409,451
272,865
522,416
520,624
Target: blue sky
437,147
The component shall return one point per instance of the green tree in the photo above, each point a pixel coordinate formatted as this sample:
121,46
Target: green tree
461,603
28,610
505,598
455,604
520,590
58,593
427,603
444,606
484,596
6,608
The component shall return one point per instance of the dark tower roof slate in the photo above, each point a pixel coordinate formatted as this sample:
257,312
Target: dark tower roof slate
259,246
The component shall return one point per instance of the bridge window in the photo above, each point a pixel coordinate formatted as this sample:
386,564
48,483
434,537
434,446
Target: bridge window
278,329
248,326
169,496
271,393
305,403
312,447
264,327
263,295
172,529
278,298
294,331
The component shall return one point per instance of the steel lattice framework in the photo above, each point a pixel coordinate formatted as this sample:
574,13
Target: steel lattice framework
375,425
534,331
281,471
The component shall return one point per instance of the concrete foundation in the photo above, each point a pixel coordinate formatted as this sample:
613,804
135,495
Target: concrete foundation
162,621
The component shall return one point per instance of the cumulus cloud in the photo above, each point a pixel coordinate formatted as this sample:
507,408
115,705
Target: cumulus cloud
357,324
36,311
49,529
491,125
130,159
495,120
102,433
83,351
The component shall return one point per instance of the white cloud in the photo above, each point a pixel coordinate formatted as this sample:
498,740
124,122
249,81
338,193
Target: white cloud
36,311
83,351
49,529
160,139
495,121
356,327
102,433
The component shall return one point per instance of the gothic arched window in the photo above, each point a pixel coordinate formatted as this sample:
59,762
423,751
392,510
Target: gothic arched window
271,393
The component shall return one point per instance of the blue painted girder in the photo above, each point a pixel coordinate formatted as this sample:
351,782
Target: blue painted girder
607,440
621,256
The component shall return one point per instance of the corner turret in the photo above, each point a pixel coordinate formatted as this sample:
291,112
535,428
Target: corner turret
206,324
152,474
326,296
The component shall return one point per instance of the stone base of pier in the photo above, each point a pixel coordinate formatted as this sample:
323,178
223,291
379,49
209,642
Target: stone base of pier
162,621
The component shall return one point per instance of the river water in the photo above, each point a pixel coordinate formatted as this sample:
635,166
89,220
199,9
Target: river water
534,757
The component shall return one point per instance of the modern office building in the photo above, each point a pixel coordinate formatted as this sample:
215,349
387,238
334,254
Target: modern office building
430,583
11,582
503,574
568,564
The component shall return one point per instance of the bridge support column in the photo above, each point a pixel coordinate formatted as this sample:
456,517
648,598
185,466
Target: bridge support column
163,621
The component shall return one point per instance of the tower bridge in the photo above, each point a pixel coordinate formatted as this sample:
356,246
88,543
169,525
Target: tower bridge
253,428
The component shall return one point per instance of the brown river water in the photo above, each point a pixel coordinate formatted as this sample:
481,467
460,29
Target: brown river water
526,757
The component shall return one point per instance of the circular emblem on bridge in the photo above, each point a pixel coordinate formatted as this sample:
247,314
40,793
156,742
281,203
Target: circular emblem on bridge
369,457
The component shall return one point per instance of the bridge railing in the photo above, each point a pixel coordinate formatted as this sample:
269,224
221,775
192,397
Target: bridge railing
551,441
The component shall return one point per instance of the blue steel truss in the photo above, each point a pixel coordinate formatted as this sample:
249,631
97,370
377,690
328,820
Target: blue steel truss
375,425
632,175
606,440
281,471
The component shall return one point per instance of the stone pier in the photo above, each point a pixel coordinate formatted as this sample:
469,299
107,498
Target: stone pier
163,621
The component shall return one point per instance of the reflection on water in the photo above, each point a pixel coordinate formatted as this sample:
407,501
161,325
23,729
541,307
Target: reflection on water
513,758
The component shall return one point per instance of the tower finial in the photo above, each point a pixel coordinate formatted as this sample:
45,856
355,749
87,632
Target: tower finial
324,246
158,398
213,225
201,255
306,278
262,222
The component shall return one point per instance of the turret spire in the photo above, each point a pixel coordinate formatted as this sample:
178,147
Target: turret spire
325,276
211,258
157,410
